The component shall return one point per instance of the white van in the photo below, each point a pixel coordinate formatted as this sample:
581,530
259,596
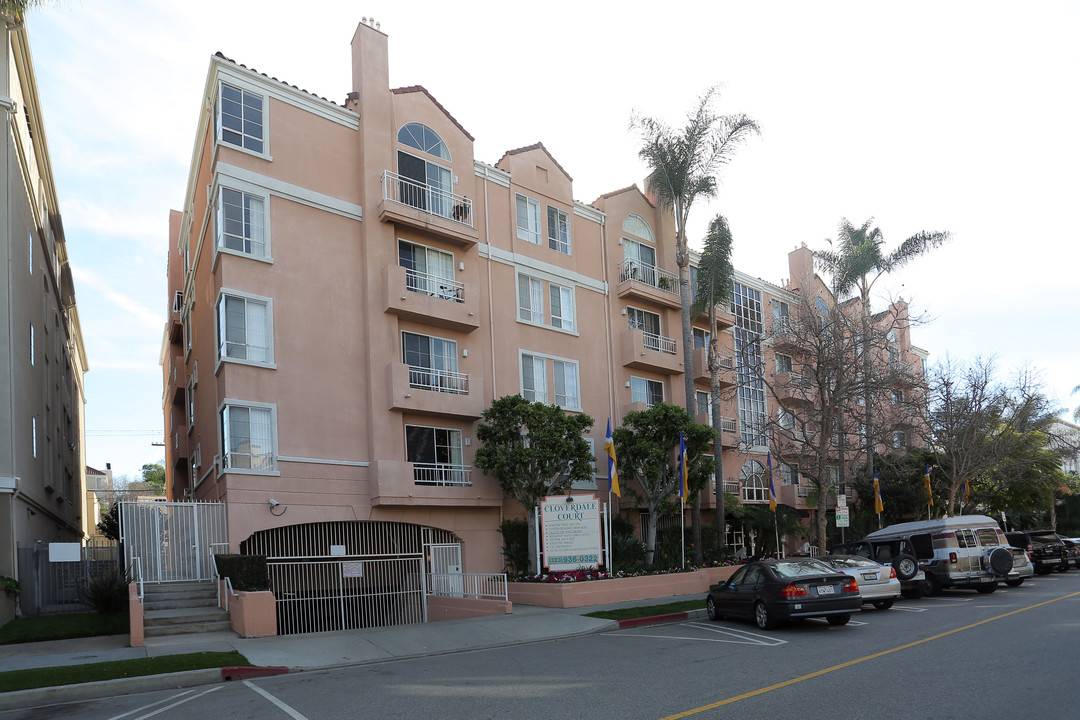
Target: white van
965,551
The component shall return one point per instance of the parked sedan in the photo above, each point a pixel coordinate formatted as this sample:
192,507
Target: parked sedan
1022,568
1072,550
771,591
877,583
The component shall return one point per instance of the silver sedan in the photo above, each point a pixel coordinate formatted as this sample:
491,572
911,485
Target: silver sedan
877,583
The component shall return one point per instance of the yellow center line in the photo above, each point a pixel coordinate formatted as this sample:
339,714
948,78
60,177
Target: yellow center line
841,666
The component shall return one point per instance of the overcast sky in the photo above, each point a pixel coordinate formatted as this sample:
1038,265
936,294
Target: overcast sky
958,116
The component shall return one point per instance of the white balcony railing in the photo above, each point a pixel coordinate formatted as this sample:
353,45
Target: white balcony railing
660,343
424,197
427,284
438,380
728,425
651,275
442,474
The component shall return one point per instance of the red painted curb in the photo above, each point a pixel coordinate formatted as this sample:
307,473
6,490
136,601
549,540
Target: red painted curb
242,672
652,620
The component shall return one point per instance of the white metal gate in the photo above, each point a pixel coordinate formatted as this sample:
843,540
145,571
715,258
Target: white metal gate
324,595
172,541
446,577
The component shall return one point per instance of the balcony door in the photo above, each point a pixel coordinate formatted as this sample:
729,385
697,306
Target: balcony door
424,184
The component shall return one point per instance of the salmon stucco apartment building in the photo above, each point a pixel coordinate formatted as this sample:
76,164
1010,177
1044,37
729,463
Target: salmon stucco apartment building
350,288
42,357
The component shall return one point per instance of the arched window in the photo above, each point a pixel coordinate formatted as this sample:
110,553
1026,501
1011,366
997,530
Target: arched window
636,225
423,138
754,486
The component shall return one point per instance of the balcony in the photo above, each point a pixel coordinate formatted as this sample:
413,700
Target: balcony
648,282
177,380
426,391
430,300
792,389
729,427
408,202
431,485
647,351
701,368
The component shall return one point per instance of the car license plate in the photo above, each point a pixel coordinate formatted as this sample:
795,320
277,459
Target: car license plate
825,590
869,576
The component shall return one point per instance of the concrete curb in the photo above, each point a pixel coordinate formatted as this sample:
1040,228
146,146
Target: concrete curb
105,688
245,672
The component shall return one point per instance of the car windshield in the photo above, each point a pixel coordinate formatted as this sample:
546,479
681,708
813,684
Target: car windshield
1045,538
849,562
800,568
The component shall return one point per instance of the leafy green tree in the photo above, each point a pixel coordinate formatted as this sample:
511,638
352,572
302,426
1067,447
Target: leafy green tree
683,166
153,474
533,450
714,283
855,263
16,9
109,526
647,446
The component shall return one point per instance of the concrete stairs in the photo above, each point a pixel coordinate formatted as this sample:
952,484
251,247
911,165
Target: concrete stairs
180,608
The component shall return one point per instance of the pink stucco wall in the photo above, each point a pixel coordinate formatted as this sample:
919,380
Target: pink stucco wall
440,607
135,616
253,614
602,592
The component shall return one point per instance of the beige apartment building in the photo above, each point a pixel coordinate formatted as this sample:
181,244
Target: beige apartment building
350,288
42,358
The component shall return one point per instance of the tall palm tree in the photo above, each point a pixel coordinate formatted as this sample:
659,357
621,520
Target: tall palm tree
16,9
714,282
856,261
683,164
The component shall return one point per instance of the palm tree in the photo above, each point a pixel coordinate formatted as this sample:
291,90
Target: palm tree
714,281
855,265
683,164
16,9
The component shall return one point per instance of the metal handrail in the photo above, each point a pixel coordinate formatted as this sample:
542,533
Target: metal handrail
631,269
442,474
478,585
428,284
215,575
137,564
427,198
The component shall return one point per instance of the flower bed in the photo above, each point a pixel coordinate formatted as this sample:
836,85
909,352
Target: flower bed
583,588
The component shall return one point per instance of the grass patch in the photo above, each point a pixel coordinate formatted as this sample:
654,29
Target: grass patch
62,627
648,610
74,674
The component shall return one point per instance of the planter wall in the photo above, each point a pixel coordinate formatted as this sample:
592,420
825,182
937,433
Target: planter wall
253,614
7,608
602,592
135,616
440,607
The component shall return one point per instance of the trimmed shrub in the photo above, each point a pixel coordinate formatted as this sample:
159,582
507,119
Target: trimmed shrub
247,572
515,549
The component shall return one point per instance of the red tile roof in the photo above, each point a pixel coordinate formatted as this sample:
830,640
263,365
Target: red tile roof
535,146
294,87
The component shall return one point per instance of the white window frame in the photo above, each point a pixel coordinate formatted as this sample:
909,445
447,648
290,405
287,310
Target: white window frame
530,230
222,352
705,396
33,436
247,192
33,361
568,369
538,391
191,404
30,251
534,296
703,335
590,484
783,366
558,230
224,411
264,135
437,276
567,318
639,385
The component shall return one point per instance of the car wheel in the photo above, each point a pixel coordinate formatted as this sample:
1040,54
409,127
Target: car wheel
762,617
986,589
1063,567
905,566
1015,582
933,587
710,607
883,604
837,620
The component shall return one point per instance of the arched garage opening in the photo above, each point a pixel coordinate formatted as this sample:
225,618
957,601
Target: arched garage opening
351,575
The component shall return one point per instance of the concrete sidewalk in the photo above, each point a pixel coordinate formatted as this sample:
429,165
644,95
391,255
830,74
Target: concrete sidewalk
309,651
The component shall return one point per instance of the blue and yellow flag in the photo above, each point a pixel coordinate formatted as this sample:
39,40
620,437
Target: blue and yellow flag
926,483
612,470
879,506
683,470
772,490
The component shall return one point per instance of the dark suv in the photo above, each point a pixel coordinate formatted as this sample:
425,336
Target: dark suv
1046,549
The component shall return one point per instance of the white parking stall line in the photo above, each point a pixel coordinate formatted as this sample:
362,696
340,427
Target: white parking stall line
851,623
750,638
284,708
168,707
938,598
908,608
147,707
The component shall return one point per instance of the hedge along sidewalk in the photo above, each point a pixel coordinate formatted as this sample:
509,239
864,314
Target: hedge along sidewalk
62,627
117,669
